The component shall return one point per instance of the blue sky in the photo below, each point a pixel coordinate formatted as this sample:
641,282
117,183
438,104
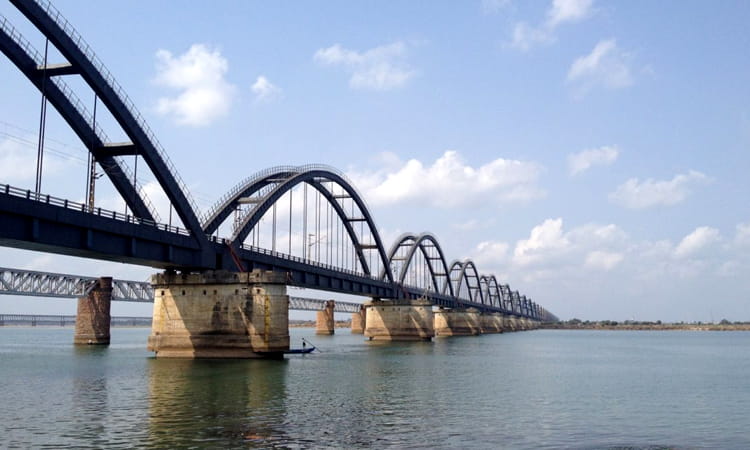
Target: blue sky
591,154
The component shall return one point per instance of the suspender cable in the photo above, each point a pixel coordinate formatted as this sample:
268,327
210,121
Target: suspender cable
273,229
290,220
90,193
42,123
328,233
135,180
317,227
304,221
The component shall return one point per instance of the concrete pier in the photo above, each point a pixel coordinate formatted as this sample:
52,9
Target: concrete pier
93,316
220,315
358,321
457,322
491,323
403,320
325,324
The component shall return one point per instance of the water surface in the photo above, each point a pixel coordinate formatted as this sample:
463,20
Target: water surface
537,389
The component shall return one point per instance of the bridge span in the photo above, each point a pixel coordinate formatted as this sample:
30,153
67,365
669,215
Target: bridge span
226,269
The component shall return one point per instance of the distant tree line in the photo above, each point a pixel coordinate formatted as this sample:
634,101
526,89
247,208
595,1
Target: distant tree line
578,323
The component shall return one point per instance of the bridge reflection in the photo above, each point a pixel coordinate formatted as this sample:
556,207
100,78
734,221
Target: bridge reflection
237,403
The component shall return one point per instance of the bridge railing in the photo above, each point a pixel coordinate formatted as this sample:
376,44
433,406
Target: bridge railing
69,204
307,261
239,186
86,49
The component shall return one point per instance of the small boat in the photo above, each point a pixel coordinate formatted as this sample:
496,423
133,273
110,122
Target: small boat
299,350
304,349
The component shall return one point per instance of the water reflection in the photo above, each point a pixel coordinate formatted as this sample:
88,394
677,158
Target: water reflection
204,402
90,393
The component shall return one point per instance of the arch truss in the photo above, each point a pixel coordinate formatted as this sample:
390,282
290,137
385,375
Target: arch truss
81,62
330,224
418,260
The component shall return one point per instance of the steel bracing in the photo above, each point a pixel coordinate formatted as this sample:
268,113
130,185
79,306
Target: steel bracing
335,247
45,284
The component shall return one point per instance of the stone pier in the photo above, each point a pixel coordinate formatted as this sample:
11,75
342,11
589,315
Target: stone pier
220,315
93,317
457,322
325,324
358,321
491,323
399,320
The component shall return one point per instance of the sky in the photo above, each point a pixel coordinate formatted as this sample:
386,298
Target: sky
591,154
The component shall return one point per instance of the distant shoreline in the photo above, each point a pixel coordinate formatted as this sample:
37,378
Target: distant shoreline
648,327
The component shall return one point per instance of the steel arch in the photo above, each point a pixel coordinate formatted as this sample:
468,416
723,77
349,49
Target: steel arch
505,297
418,242
220,211
492,291
27,60
84,62
312,178
469,264
516,302
455,267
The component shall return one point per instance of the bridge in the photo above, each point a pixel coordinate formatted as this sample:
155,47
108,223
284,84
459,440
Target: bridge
304,226
58,285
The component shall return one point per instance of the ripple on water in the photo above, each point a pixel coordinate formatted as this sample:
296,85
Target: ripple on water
544,389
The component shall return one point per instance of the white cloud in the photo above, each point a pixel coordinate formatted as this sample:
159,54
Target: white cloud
560,12
546,240
742,236
606,66
493,6
489,253
582,161
380,68
18,158
649,193
264,90
602,260
449,182
199,75
526,36
563,11
16,162
697,241
474,224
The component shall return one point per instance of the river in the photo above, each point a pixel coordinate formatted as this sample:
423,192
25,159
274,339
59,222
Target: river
535,389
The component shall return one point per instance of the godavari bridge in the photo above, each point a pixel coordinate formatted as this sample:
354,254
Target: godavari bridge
304,226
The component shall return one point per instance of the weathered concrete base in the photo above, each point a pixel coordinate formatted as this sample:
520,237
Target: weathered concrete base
325,324
358,321
491,323
405,320
510,324
220,315
93,316
457,322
